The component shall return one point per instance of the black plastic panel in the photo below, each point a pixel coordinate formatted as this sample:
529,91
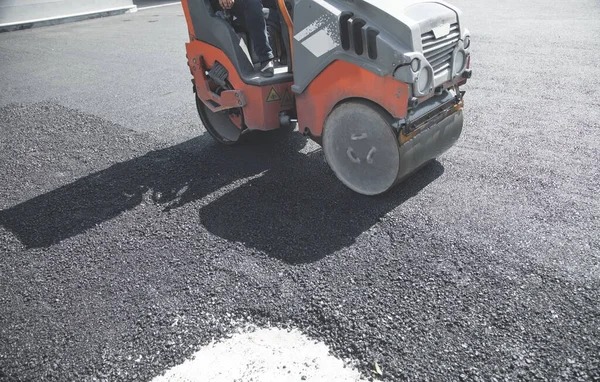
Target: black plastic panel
372,42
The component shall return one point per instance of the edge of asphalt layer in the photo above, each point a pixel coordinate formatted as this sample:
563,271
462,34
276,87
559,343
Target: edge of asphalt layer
29,24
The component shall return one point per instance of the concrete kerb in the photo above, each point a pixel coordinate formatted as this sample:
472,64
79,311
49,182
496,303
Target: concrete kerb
21,25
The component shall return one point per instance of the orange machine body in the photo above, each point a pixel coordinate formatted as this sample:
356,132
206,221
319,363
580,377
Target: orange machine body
260,105
340,81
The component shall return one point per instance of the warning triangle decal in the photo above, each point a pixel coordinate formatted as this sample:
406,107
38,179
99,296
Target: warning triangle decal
273,96
287,99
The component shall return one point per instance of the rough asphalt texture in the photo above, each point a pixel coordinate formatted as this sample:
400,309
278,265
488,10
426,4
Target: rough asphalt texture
129,238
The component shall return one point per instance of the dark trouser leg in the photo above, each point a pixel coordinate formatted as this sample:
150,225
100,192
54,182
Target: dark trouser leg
251,12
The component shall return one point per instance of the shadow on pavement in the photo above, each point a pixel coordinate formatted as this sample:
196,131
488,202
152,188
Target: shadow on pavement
299,215
294,209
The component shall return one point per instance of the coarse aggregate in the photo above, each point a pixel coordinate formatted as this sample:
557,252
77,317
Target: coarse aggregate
129,239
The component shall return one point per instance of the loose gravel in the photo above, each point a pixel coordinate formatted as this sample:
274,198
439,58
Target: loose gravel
125,252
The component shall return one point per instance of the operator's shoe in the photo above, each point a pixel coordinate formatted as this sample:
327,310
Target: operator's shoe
267,68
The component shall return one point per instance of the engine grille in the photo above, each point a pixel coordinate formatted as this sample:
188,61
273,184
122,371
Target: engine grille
439,51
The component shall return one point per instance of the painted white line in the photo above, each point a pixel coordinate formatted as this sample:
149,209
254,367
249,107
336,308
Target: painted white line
158,6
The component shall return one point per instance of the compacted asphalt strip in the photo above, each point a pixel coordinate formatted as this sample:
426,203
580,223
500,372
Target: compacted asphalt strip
129,239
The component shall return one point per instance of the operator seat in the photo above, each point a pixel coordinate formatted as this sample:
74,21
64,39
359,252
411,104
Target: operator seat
273,21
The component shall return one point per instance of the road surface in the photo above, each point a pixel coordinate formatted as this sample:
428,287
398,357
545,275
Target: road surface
129,239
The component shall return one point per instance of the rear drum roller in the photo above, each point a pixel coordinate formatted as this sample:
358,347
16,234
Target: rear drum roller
219,125
361,147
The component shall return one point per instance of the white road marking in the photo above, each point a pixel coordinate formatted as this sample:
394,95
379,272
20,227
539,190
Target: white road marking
263,355
158,6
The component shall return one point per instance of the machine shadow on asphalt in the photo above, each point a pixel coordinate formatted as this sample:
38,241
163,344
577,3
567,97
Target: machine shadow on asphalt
294,209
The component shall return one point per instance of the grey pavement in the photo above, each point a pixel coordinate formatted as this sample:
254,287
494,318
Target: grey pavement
129,238
129,69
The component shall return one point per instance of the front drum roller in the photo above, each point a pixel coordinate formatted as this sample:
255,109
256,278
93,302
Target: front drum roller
218,124
361,147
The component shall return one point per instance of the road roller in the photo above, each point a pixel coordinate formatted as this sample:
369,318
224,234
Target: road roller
376,83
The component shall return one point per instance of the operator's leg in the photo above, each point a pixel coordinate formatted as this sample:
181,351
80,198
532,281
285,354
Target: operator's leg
251,12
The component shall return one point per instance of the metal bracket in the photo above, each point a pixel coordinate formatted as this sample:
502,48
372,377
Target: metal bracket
408,129
226,99
400,126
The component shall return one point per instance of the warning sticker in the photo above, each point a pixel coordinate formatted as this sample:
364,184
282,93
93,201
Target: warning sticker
273,96
287,100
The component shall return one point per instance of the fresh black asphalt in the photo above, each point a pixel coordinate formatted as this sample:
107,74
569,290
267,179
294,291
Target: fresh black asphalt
129,239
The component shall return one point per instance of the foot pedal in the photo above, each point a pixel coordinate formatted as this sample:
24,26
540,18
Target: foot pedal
219,74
